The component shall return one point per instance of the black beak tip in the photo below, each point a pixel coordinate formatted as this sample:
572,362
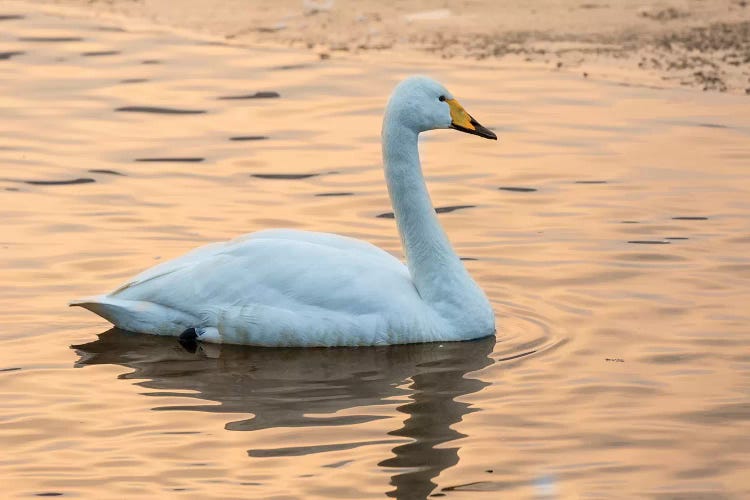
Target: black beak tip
478,129
483,131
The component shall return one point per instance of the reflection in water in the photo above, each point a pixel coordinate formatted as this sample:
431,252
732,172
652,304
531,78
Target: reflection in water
51,39
284,176
8,55
187,159
98,53
547,241
80,180
159,110
256,95
283,387
440,210
248,138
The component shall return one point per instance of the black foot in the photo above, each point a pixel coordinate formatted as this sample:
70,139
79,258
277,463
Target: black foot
189,340
189,335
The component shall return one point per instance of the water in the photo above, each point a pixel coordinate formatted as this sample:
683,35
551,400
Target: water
609,227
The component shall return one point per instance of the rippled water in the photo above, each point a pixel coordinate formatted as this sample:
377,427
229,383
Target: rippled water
609,227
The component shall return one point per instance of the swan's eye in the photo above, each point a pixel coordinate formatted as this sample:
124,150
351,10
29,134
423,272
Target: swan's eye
441,98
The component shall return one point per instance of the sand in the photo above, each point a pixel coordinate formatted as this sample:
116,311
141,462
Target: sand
695,43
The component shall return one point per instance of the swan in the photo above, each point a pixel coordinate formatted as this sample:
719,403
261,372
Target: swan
290,288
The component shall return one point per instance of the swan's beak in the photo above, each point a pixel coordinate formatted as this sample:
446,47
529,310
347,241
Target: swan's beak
461,120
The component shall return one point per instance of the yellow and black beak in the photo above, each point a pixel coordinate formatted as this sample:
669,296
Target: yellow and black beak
461,120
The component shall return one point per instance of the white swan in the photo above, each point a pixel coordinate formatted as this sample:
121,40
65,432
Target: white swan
283,287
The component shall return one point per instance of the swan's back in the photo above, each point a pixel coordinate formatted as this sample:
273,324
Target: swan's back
324,278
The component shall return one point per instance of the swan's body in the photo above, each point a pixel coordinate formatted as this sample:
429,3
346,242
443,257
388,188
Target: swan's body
297,288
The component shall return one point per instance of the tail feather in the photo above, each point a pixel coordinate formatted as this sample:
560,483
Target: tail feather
137,315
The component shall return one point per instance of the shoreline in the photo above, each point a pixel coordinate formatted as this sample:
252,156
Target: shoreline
669,43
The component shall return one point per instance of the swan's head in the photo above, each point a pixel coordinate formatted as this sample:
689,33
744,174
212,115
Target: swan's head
420,103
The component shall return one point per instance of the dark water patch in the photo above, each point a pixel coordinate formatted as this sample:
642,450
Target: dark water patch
284,176
309,450
97,53
632,390
7,55
689,218
516,356
336,465
650,257
439,210
469,258
11,17
712,125
134,80
49,494
472,486
15,368
334,194
517,189
291,66
723,414
158,110
701,472
11,189
248,138
111,29
175,159
590,182
50,39
257,95
212,43
453,208
675,358
676,238
151,61
267,29
649,242
105,171
80,180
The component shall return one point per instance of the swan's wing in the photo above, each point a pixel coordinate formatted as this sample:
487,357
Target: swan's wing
238,245
344,243
281,268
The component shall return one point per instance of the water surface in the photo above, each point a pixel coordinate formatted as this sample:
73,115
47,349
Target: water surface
609,227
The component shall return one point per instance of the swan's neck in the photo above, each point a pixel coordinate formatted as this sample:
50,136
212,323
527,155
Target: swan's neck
437,272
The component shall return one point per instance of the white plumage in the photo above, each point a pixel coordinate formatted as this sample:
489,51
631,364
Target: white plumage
295,288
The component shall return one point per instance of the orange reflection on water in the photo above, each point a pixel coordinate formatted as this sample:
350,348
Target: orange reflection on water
608,226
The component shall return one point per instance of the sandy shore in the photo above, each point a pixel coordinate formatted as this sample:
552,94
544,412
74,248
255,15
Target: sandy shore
695,43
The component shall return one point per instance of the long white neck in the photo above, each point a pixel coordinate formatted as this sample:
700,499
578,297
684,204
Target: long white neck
437,272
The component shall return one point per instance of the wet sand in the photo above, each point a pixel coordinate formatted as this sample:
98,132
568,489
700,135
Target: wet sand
695,43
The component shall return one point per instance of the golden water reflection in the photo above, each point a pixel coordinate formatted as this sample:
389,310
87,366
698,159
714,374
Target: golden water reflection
284,387
608,226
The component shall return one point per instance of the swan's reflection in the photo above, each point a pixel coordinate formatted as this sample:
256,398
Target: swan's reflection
282,387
